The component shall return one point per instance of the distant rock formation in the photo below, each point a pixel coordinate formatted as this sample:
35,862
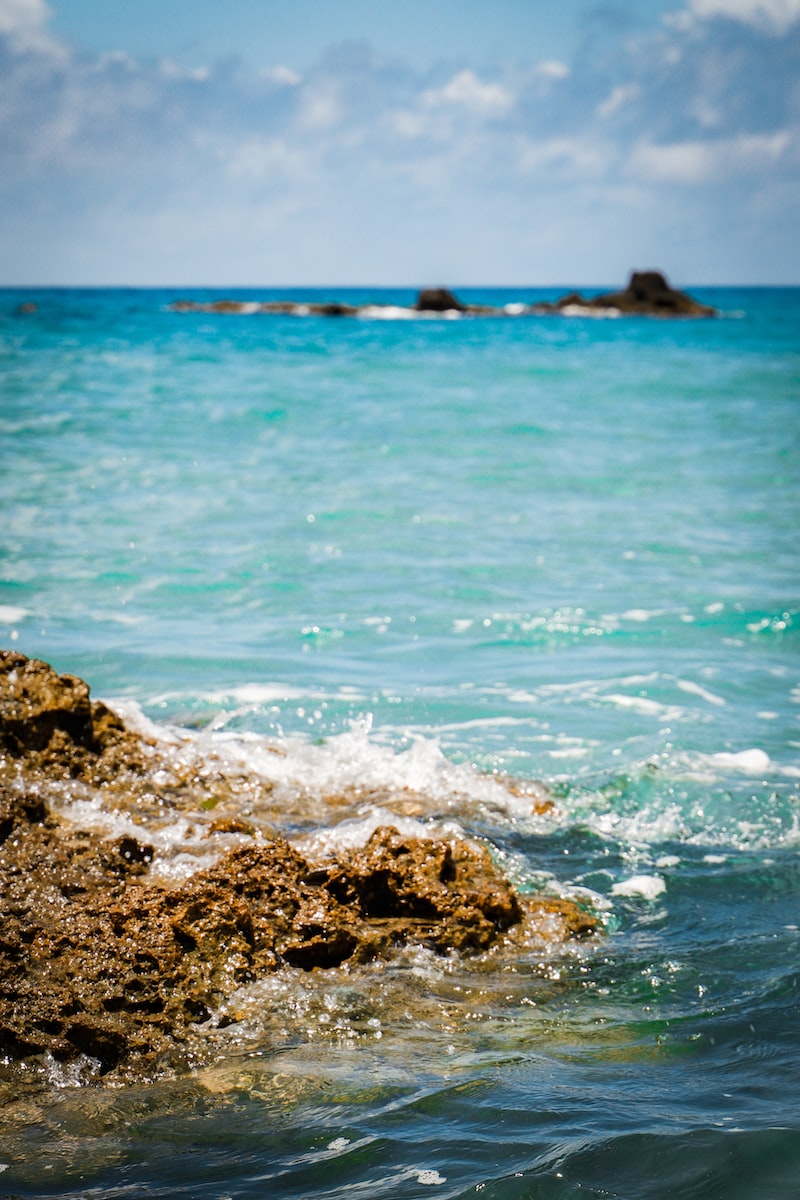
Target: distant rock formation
100,958
438,300
647,294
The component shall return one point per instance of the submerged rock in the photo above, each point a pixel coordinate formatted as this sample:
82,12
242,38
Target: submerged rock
100,956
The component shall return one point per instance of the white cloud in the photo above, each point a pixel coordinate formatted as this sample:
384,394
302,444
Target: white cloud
168,68
321,108
281,76
364,166
618,98
22,16
551,68
581,156
699,162
466,90
776,16
266,159
24,23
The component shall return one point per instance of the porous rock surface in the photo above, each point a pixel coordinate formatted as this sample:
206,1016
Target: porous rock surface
99,958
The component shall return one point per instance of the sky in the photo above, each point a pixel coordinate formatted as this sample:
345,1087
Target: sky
261,143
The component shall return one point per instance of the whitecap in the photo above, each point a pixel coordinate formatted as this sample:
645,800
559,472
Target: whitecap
645,706
751,762
687,685
638,614
646,886
256,693
583,310
387,312
10,614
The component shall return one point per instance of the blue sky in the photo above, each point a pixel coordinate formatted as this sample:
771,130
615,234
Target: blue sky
265,143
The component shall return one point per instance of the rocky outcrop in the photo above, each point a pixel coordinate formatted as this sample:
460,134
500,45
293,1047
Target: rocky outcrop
647,294
100,956
292,308
438,300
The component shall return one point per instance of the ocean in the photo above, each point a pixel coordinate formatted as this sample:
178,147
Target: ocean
429,564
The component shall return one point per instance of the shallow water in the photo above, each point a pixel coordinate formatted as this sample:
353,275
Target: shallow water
421,558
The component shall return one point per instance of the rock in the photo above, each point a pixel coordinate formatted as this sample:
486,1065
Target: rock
101,957
333,309
649,293
438,300
248,308
48,722
36,704
572,299
96,960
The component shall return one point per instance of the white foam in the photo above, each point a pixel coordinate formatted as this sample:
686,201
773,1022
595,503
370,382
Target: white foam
751,762
687,685
259,693
649,826
353,834
430,1177
246,693
582,310
645,706
10,614
646,886
387,312
135,719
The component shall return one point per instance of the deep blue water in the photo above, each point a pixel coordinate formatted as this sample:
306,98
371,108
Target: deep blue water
418,556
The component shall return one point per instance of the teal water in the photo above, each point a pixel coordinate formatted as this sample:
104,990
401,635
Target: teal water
426,554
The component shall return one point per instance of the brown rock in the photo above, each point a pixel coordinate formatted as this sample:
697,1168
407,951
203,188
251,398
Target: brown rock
99,957
438,300
649,293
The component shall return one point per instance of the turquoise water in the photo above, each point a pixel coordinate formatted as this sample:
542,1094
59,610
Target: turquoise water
423,555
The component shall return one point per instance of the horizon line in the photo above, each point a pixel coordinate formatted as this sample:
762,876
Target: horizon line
397,287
